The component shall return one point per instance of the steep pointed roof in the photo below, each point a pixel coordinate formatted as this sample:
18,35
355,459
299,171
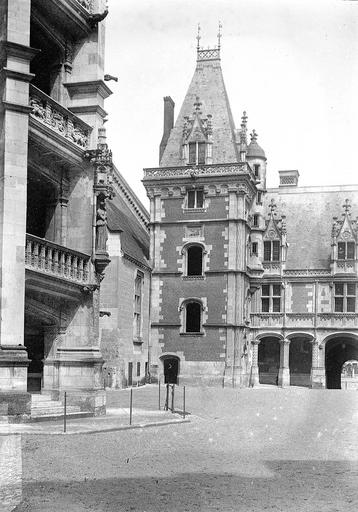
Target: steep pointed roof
208,85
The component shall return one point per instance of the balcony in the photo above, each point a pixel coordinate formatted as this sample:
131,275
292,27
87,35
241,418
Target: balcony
337,320
344,267
300,320
50,259
54,123
273,268
193,171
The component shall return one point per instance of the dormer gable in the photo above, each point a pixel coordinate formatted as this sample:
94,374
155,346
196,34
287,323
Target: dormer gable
344,241
197,137
274,236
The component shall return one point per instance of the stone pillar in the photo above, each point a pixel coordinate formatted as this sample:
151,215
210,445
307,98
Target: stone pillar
318,371
254,378
284,371
14,114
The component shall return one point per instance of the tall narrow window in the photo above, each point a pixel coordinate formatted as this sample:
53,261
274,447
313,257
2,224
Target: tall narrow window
256,220
193,317
138,291
259,198
195,260
138,369
197,153
271,298
257,170
346,250
345,297
254,248
195,198
272,250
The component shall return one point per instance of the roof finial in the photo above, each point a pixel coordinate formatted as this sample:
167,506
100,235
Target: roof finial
219,35
272,206
253,136
198,37
197,105
243,132
346,207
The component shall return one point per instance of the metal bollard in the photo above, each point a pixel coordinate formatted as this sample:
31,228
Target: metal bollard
184,402
130,407
173,388
65,412
166,406
159,394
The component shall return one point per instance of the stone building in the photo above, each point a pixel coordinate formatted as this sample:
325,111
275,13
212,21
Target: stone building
250,285
55,184
124,322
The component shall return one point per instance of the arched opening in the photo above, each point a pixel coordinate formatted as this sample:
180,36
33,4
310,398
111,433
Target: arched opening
300,361
171,369
349,375
193,317
34,343
194,260
269,360
339,350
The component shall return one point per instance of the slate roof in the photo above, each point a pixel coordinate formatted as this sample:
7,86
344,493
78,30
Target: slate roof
309,215
254,150
208,84
134,239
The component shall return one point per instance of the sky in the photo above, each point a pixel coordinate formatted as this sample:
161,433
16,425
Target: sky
291,64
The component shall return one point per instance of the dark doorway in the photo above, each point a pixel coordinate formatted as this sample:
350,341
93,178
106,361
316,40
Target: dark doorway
34,342
300,362
130,374
171,369
338,351
195,261
269,360
193,317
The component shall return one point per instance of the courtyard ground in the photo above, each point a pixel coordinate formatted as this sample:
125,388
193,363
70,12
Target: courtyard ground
243,450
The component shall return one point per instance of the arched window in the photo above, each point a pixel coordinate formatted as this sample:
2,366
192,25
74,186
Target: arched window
193,317
195,260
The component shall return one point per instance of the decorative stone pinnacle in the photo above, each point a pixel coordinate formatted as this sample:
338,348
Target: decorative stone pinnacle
197,105
253,136
219,35
244,119
346,207
272,206
198,37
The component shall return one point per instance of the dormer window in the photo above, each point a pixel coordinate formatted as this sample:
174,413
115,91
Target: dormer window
195,199
197,153
346,250
272,250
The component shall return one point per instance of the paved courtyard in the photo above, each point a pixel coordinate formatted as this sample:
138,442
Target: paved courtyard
243,450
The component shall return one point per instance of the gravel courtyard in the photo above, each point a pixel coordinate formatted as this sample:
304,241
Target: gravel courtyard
244,450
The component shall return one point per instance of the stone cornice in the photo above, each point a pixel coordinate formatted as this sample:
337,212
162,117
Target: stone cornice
88,109
92,86
16,107
17,75
18,50
199,171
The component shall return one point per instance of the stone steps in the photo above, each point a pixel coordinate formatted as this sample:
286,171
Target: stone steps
44,409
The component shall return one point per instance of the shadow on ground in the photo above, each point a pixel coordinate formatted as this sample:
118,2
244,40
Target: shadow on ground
280,485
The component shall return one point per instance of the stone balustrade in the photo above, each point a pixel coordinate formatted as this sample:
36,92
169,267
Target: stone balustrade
58,118
198,170
87,4
303,320
52,259
266,319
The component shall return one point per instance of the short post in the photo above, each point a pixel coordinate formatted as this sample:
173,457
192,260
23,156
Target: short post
159,394
184,402
166,406
65,412
173,386
130,407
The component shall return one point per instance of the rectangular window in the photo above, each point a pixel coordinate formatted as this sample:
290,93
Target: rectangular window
195,199
192,153
272,250
256,220
138,292
271,298
138,369
201,153
254,248
346,250
259,198
257,170
344,297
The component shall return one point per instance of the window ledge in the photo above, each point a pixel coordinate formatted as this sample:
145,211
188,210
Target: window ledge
194,210
193,278
191,334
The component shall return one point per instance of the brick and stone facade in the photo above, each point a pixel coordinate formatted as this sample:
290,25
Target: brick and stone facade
249,285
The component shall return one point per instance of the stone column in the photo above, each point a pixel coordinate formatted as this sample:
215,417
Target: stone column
254,378
284,371
318,371
14,117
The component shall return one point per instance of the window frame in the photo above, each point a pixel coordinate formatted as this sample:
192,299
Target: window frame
195,191
346,244
271,299
345,298
183,317
199,145
272,251
188,249
138,305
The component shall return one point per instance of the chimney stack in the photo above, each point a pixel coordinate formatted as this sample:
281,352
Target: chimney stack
168,124
288,178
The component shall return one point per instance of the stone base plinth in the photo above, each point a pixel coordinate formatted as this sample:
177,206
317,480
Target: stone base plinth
318,378
254,377
284,377
13,368
16,405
